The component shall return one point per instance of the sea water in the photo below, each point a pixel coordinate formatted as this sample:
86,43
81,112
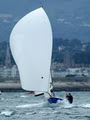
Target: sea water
24,106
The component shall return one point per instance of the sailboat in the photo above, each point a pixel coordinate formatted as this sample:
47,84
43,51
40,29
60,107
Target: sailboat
31,47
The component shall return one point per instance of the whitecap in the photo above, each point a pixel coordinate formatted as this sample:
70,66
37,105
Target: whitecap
31,113
68,106
86,105
23,96
7,113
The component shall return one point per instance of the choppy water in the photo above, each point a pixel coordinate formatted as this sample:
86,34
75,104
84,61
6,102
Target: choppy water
23,106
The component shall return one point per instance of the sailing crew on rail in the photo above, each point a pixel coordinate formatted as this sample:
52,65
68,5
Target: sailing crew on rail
69,98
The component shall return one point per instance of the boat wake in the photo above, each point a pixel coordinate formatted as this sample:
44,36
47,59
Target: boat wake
63,104
30,105
76,106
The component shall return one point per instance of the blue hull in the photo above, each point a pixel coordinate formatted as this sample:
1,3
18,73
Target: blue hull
54,100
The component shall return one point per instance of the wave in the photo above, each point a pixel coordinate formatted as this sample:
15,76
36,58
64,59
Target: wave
23,96
85,105
77,106
30,105
7,113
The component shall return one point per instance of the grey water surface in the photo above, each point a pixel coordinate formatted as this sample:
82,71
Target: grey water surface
24,106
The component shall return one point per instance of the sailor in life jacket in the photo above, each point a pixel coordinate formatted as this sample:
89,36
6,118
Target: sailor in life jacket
69,98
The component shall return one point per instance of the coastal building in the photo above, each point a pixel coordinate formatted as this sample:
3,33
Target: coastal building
58,74
67,59
8,59
57,69
71,72
8,70
11,72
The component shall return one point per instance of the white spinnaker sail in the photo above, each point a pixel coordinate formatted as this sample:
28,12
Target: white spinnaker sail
47,94
31,47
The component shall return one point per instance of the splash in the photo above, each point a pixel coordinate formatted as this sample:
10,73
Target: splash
66,104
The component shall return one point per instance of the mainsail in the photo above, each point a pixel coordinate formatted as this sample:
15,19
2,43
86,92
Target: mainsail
31,47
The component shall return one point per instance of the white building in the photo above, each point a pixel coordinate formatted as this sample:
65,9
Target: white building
76,72
11,72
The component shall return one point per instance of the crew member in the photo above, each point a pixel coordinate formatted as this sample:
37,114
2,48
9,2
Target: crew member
69,98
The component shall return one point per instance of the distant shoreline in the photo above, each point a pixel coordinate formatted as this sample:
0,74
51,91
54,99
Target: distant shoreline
60,84
72,84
